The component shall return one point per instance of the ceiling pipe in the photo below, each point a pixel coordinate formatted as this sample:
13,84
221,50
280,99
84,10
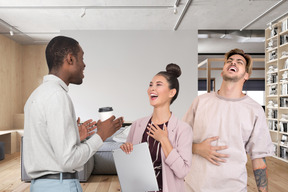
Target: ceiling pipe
278,3
30,33
15,31
182,14
12,31
175,11
9,27
177,3
89,7
271,22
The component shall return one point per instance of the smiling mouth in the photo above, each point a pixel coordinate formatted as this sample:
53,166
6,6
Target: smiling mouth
153,96
233,69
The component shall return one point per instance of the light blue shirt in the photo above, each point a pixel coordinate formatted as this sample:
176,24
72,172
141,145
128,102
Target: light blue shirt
51,137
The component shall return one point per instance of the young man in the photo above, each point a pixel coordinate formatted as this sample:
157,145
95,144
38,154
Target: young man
53,151
227,124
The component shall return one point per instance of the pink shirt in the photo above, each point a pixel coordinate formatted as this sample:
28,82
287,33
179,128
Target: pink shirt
240,124
177,165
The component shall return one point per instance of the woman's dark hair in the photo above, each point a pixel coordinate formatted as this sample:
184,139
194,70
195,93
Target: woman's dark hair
171,74
58,48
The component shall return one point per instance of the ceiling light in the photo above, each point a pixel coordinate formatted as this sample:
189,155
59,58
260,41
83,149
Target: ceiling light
203,36
11,31
83,12
175,9
224,35
251,39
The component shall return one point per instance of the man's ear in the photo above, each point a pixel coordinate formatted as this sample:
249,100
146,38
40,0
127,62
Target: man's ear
246,76
69,58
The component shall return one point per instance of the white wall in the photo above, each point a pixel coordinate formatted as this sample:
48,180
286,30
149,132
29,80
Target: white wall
120,65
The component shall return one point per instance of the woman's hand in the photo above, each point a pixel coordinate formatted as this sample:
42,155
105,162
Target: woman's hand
127,147
162,136
157,133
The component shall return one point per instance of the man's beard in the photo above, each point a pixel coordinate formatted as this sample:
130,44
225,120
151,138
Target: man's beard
234,78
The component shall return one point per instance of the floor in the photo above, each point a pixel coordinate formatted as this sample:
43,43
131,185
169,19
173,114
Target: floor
11,180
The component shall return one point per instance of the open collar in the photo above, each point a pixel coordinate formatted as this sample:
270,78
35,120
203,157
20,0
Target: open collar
51,77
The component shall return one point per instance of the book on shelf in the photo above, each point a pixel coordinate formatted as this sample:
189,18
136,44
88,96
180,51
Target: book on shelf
283,39
274,31
273,55
285,25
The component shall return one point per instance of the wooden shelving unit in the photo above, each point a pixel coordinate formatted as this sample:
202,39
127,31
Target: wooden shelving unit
276,86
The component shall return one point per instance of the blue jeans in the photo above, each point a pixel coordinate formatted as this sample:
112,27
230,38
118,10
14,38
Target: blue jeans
54,185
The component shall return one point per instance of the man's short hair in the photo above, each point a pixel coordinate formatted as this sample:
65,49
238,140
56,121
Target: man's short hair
247,58
58,48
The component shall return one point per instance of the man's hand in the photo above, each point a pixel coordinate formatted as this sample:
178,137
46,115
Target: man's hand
108,127
209,152
86,128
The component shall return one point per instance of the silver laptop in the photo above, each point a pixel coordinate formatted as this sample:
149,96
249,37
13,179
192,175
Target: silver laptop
135,170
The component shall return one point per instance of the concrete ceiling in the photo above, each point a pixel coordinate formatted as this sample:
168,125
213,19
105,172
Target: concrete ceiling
37,21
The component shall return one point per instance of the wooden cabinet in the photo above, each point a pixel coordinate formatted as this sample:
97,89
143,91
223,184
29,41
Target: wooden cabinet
276,86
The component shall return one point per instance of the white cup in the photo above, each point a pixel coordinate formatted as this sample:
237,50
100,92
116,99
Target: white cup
105,113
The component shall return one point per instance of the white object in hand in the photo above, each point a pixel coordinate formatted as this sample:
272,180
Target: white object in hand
105,113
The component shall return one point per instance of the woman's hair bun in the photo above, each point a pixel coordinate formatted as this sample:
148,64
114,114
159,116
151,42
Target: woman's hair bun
173,69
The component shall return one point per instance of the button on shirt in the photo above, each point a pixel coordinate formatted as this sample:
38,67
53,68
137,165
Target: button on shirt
51,137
